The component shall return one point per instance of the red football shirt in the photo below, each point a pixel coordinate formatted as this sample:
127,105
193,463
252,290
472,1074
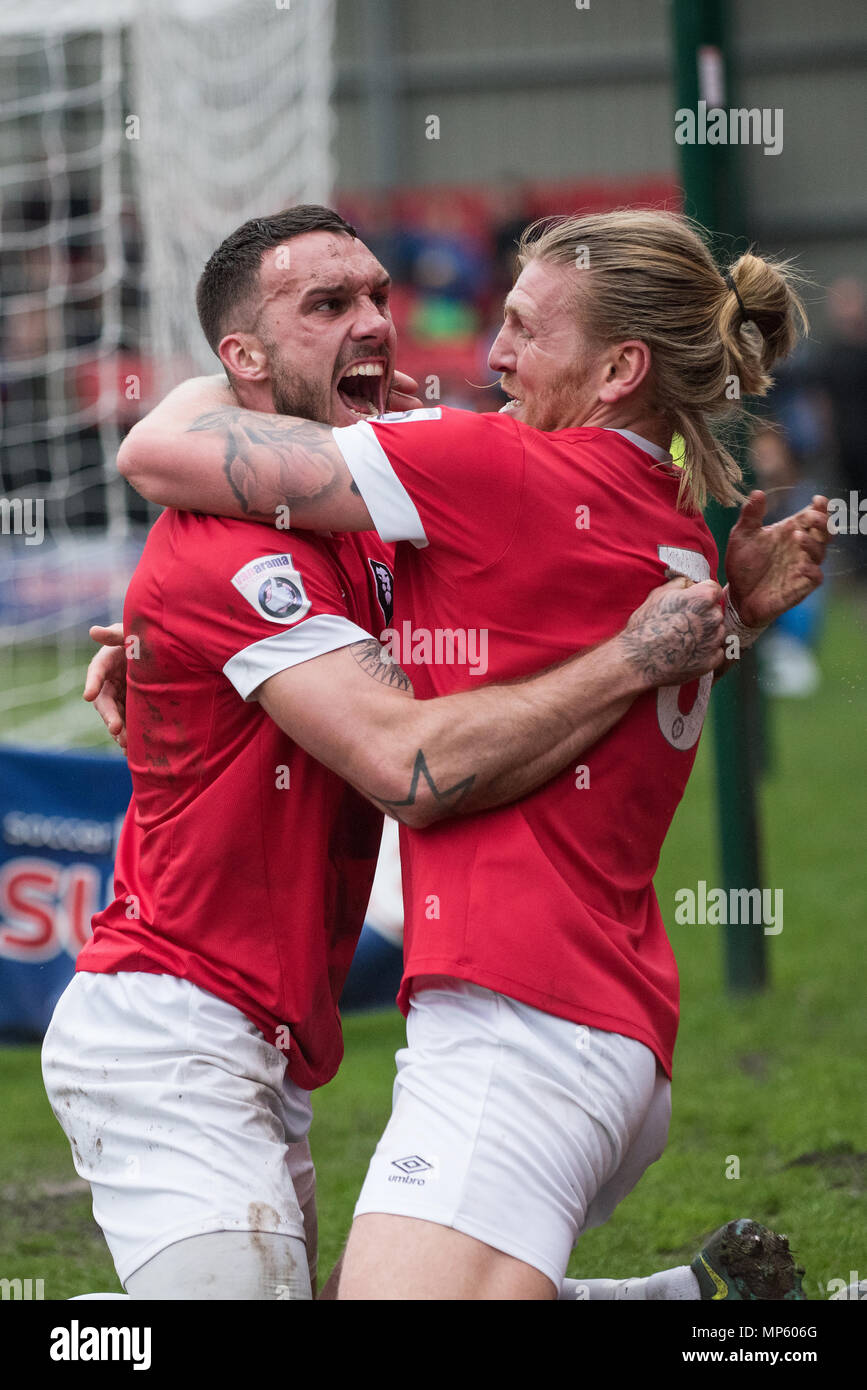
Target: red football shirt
526,547
244,865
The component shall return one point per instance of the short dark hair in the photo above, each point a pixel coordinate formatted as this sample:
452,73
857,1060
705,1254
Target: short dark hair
232,272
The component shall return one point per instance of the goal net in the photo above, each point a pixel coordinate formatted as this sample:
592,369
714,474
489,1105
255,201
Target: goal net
134,135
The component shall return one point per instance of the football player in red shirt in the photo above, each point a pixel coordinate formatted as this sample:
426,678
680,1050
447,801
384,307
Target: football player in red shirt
540,986
266,731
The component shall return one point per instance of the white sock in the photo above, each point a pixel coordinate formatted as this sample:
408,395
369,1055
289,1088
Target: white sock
669,1285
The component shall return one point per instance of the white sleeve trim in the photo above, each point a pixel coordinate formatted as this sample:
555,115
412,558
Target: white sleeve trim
326,632
391,508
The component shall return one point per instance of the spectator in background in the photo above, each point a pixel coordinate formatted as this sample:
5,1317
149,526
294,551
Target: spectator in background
787,655
448,268
509,219
841,373
31,325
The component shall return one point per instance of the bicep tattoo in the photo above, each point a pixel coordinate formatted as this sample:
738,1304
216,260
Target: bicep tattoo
373,658
274,462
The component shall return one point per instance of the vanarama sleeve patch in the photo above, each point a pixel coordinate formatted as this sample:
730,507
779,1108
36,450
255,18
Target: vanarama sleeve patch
274,588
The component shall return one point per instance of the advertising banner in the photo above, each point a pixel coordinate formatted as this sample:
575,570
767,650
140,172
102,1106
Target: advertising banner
60,816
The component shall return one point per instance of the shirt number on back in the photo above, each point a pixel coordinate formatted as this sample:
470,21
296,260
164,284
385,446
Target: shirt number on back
679,729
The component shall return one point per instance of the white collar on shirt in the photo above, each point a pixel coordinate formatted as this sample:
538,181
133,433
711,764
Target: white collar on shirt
661,455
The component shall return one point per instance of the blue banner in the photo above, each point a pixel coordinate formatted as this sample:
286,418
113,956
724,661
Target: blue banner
60,816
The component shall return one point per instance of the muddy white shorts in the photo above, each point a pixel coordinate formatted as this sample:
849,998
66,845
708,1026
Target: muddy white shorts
179,1113
513,1126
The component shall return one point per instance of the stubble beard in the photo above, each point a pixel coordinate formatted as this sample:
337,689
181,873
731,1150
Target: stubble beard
293,394
560,404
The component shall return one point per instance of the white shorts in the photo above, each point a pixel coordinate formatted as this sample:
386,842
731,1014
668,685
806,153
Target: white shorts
179,1114
513,1126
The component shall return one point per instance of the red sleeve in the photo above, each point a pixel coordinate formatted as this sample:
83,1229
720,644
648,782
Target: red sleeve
450,479
249,601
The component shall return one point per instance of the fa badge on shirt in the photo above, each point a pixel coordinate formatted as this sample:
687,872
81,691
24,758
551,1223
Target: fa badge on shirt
273,586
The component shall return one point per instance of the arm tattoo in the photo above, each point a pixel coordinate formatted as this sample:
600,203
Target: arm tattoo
273,461
448,796
371,656
373,659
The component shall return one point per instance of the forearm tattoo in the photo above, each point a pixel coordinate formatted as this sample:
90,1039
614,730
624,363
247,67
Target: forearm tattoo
372,658
273,461
449,797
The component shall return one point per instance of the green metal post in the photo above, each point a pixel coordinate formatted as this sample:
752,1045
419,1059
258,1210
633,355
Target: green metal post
713,196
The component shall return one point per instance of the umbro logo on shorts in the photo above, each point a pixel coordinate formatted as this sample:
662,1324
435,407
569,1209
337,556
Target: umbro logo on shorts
413,1164
414,1170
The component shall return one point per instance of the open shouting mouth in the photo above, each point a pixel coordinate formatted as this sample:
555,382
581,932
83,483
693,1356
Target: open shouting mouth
513,403
361,388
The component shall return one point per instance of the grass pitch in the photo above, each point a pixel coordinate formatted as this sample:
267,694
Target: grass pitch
768,1087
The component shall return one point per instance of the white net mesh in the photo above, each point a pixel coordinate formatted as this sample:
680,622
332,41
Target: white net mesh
235,123
133,138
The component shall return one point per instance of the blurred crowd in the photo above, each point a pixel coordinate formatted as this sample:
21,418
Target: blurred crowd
73,326
451,252
809,439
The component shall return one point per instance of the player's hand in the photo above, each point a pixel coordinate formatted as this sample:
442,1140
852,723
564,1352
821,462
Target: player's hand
105,683
678,633
772,568
401,396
